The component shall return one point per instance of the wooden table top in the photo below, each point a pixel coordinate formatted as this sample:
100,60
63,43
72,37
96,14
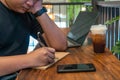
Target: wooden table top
107,67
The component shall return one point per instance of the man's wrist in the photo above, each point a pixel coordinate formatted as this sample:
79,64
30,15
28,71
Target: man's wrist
40,12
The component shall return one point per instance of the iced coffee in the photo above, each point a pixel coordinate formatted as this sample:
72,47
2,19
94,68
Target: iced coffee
99,38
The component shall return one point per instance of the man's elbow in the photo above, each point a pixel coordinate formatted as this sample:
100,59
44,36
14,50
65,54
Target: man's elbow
61,47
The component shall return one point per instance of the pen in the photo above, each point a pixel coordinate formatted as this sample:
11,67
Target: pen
39,40
41,43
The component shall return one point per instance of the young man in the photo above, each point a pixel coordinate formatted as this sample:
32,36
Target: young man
18,20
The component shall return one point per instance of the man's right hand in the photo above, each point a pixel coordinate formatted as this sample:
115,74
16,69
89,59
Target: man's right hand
42,56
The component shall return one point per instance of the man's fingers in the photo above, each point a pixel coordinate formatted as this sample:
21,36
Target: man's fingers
50,60
51,55
52,50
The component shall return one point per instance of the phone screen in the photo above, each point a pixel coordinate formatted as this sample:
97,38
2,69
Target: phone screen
76,68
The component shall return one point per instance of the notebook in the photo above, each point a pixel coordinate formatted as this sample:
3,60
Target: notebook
81,27
58,56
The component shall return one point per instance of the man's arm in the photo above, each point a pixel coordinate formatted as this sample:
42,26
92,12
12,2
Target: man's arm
53,34
39,57
14,63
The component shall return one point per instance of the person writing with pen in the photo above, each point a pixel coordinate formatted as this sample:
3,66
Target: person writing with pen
18,20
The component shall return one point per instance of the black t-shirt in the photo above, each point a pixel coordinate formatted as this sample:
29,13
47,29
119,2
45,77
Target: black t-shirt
15,30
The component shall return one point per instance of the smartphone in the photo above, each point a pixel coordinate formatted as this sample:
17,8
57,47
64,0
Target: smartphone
86,67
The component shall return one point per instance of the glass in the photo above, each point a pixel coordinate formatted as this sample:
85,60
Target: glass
98,38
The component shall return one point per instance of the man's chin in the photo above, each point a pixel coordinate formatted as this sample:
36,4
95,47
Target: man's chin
22,11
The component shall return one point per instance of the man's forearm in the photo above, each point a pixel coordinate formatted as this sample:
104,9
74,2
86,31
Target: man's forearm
54,35
13,63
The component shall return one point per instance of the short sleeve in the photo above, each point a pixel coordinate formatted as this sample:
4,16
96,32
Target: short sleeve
35,27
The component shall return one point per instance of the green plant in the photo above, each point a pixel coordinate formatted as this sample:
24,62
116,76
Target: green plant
112,20
72,11
116,48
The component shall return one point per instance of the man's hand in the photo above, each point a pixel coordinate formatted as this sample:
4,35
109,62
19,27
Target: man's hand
42,56
37,6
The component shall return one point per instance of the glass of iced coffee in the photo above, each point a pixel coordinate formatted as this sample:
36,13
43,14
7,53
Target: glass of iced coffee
98,33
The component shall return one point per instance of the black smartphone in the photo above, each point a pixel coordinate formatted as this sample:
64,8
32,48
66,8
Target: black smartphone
86,67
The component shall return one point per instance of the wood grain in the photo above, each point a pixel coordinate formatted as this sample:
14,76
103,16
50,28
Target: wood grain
107,67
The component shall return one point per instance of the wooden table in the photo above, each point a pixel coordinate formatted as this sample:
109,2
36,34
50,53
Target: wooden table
107,67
